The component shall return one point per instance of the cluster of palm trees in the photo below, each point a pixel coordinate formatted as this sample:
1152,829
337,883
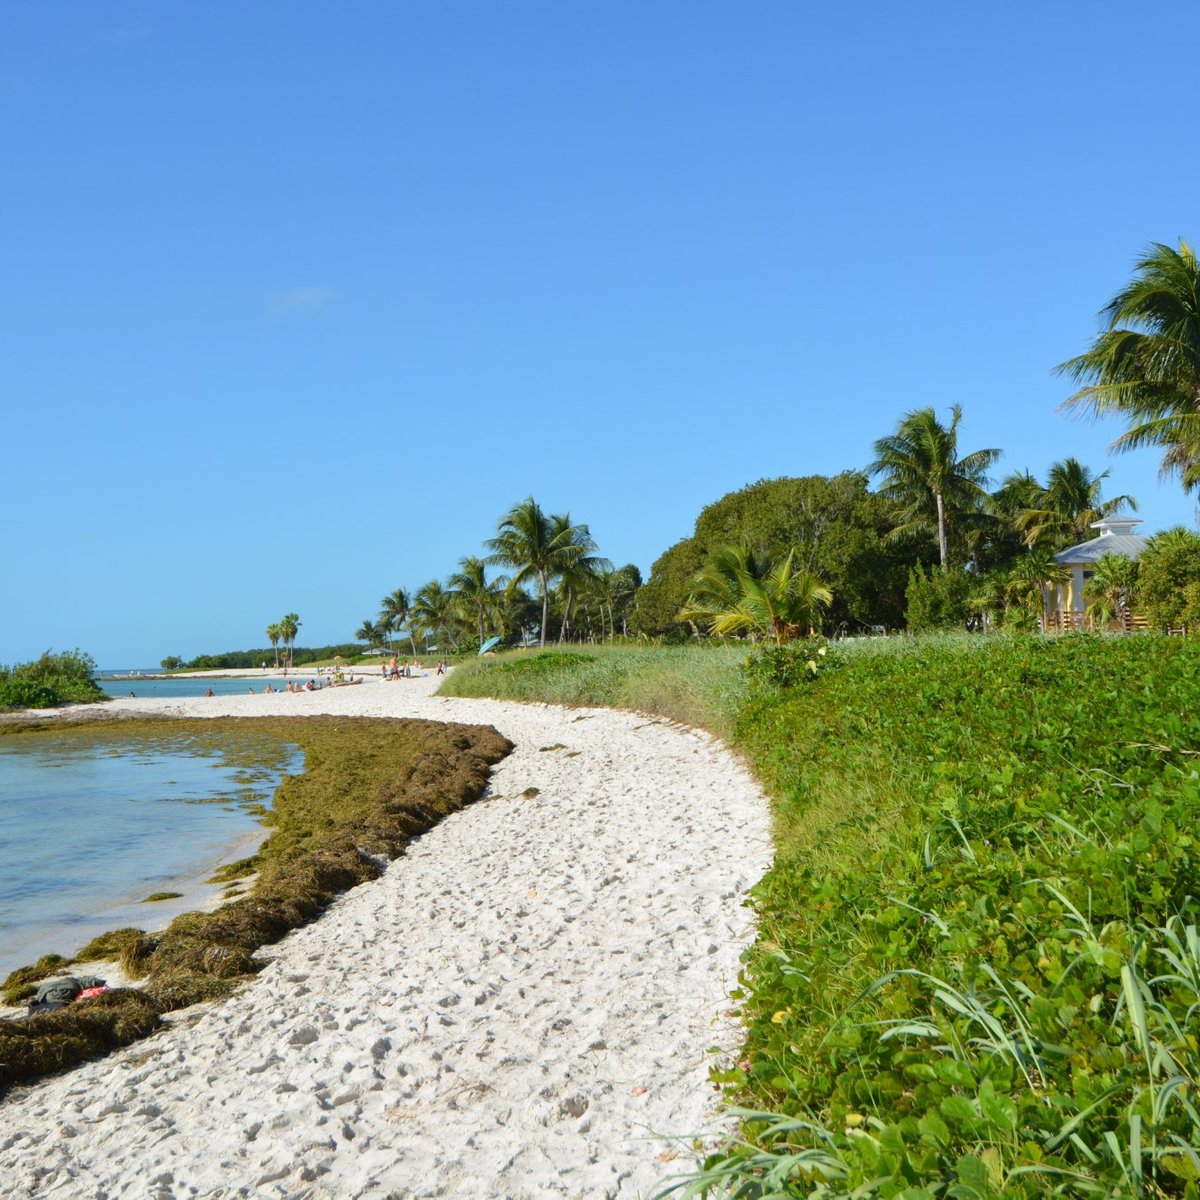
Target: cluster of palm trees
284,630
1001,542
547,552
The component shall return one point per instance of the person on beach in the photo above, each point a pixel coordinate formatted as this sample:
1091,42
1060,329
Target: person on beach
209,693
441,666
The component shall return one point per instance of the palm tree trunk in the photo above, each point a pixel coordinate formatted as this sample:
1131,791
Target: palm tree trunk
545,607
941,509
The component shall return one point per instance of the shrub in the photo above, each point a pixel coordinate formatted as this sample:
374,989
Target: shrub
53,679
936,599
787,665
1168,575
25,693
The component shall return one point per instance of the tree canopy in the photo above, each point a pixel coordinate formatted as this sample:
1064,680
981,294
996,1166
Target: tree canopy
1145,364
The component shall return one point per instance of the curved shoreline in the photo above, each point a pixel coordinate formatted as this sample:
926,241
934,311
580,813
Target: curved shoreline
521,1006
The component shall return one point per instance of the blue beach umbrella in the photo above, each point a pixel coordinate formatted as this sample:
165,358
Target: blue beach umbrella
489,644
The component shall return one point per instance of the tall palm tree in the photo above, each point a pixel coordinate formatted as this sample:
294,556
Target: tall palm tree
433,610
575,563
393,612
1064,509
478,596
536,546
783,604
925,478
275,636
1145,365
289,627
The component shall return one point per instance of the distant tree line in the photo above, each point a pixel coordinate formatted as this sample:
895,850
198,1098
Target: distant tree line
559,589
231,659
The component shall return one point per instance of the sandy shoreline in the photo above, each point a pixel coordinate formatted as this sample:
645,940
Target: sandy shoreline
522,1006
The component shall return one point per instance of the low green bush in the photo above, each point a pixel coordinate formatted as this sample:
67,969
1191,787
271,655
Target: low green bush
64,678
27,693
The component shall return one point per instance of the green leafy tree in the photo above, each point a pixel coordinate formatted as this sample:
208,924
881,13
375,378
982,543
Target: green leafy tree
782,603
1168,581
936,599
838,527
1145,364
923,476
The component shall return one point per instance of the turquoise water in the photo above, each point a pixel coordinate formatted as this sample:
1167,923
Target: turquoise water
89,827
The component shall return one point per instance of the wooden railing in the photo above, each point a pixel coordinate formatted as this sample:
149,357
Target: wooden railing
1063,620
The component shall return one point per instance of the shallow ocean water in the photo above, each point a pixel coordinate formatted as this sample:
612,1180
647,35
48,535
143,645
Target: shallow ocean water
89,828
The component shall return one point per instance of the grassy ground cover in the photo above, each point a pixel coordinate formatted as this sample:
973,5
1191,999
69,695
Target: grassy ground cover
978,970
696,686
368,785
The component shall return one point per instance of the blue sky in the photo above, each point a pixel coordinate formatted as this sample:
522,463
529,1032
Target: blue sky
298,299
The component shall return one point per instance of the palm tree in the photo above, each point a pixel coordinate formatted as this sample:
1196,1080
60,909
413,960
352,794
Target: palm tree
1145,365
478,597
1109,589
275,635
393,612
289,627
433,610
1064,509
719,586
782,604
536,546
575,562
1031,575
370,633
926,480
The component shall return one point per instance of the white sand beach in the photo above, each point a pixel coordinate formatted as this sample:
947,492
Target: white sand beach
524,1005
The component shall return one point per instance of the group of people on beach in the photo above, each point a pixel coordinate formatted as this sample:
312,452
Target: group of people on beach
398,670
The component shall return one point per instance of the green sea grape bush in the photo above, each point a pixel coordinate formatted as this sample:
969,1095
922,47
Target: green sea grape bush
67,677
787,665
975,968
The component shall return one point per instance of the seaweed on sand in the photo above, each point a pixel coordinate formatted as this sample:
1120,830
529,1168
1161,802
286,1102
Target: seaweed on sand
369,785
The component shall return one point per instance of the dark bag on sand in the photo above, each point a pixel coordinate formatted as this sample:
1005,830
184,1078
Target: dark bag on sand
58,993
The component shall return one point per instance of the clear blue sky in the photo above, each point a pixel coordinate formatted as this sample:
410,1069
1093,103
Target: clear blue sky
299,298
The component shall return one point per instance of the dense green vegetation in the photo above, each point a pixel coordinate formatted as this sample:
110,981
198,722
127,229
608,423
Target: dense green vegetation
368,786
53,679
838,528
978,971
240,659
